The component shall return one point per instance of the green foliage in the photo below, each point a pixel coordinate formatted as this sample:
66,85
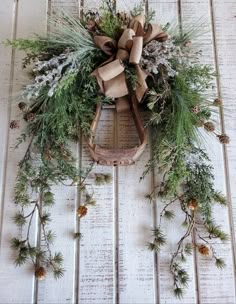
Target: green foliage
16,243
35,46
159,240
220,263
50,236
139,9
111,25
58,273
187,32
169,214
131,77
77,235
178,292
19,219
215,231
70,33
101,179
48,198
108,6
188,249
58,258
220,198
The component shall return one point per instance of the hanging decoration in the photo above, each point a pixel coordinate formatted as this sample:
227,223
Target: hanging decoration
126,60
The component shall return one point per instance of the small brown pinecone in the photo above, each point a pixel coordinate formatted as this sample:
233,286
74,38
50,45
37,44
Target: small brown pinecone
123,17
195,109
90,25
188,43
217,102
223,138
40,273
14,124
204,250
209,126
193,204
30,117
82,211
22,106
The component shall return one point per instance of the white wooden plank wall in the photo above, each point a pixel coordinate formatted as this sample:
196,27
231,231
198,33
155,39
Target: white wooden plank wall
210,290
111,263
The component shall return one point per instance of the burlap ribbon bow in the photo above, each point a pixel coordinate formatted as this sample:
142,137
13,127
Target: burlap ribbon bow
110,75
112,82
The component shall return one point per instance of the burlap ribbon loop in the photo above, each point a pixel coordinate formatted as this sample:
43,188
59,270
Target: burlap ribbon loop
111,77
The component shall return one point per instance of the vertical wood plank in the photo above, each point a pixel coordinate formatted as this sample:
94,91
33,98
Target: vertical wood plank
17,285
224,17
96,269
168,11
136,272
215,285
136,262
96,257
7,19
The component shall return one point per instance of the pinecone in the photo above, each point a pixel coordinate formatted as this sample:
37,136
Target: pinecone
193,204
188,43
204,250
22,106
82,211
195,109
14,124
223,138
209,126
217,102
40,273
30,117
91,25
123,17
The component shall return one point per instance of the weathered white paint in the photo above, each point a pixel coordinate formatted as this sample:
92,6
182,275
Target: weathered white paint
111,264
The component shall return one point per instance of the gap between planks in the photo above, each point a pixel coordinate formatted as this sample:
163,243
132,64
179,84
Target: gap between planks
116,298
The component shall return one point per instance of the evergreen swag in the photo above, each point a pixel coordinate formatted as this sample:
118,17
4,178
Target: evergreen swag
59,105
